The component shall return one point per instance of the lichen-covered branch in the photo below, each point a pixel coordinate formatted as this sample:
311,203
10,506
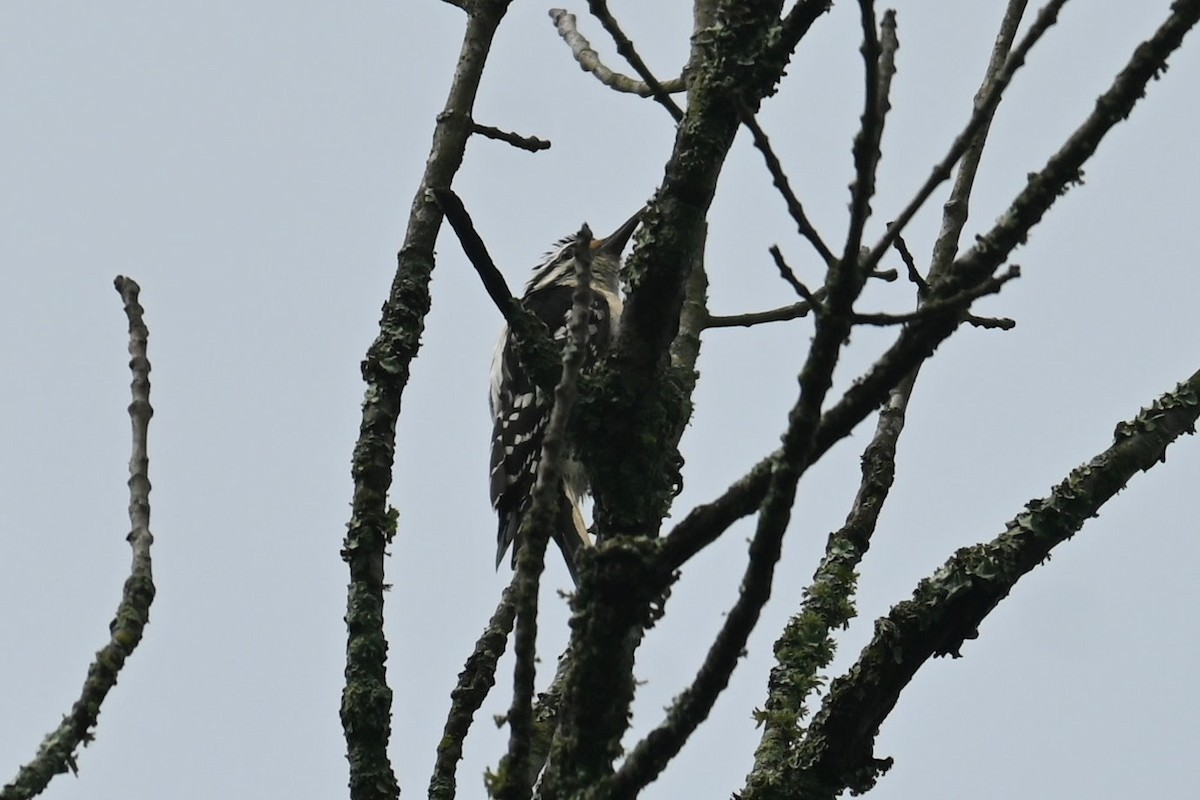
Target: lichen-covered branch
367,698
58,750
806,645
947,608
474,682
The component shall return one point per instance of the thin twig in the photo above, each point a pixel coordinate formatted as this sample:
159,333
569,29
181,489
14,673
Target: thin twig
958,302
474,682
910,264
589,61
957,206
626,50
803,225
794,311
879,67
993,323
786,272
531,143
476,251
57,752
982,115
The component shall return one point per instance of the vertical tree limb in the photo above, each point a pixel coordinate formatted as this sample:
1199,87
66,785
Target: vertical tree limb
367,698
513,780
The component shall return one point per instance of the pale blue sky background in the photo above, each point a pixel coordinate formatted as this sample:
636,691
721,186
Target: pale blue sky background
251,165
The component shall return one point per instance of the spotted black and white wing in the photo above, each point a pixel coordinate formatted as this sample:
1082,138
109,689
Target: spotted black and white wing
520,413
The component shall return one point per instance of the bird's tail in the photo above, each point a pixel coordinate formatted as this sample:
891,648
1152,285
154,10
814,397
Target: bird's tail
570,533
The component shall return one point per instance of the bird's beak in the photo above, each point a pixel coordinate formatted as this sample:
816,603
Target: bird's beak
615,243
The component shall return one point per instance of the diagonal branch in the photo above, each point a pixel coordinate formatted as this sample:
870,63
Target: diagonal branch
806,645
538,355
948,607
917,341
803,225
981,117
626,50
589,61
57,751
474,682
957,207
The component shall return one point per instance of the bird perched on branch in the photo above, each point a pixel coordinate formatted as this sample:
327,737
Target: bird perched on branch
521,410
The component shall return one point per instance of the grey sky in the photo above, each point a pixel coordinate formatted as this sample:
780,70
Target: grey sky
251,165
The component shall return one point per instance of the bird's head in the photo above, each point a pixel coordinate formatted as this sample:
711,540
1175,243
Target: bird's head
558,266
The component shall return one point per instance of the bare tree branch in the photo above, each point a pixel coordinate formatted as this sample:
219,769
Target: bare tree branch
794,311
589,61
879,62
57,752
958,302
984,110
786,272
626,50
531,143
476,251
797,22
910,264
993,323
803,225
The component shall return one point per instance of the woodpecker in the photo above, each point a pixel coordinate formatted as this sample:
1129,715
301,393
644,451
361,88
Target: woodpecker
521,410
